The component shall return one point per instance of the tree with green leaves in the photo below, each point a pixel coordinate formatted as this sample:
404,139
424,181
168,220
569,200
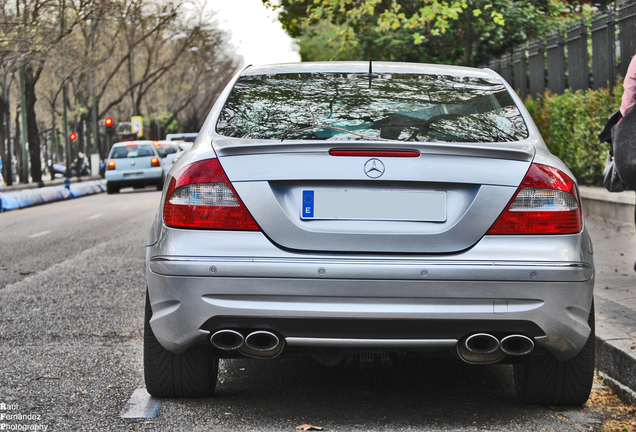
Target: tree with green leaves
464,32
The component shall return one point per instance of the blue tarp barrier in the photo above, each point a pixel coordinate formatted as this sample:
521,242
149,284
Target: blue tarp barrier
29,197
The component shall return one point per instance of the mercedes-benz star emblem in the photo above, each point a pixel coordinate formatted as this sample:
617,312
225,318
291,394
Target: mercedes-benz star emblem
374,168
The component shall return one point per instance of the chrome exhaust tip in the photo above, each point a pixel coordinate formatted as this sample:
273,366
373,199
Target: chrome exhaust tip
480,348
262,341
262,344
227,340
517,345
481,343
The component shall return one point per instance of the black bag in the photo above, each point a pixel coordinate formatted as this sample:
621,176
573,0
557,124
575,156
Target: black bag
606,133
624,144
611,180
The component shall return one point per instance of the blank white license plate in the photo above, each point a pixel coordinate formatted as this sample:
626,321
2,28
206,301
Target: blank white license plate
136,174
424,206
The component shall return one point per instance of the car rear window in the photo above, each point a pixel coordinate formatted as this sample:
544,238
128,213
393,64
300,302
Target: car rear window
166,149
336,106
131,151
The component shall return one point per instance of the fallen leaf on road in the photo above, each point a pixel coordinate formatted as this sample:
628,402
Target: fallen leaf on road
309,427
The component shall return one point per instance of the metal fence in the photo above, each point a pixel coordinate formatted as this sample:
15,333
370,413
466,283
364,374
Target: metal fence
561,60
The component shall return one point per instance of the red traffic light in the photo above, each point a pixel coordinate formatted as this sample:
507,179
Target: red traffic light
73,136
108,121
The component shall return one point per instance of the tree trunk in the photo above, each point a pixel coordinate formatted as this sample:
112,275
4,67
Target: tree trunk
6,160
54,146
81,134
10,178
17,145
467,37
33,135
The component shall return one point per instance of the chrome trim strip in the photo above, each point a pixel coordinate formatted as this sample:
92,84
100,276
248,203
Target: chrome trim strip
371,343
389,269
185,259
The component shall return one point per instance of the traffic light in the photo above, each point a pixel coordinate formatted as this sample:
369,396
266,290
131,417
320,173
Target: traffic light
107,126
110,126
73,136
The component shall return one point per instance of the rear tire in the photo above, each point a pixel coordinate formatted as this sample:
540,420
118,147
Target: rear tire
160,185
545,381
191,374
111,188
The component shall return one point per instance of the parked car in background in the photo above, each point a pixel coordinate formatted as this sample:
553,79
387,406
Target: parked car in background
185,140
168,150
332,210
187,136
134,164
184,145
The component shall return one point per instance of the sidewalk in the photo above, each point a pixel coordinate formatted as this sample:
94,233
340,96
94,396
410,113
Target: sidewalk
610,222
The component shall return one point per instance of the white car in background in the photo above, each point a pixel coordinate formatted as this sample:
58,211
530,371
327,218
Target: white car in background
168,150
134,164
187,136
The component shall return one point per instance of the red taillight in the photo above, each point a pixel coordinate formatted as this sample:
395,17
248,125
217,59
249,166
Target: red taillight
201,196
154,162
547,202
374,153
111,165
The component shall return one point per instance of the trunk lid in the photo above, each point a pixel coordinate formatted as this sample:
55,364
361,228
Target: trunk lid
442,201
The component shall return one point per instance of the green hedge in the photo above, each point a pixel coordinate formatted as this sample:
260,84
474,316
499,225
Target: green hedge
570,124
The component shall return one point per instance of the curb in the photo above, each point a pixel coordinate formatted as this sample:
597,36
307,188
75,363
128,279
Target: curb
618,207
30,197
625,394
616,348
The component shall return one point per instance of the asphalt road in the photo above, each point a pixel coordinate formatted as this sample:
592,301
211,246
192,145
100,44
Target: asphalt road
72,289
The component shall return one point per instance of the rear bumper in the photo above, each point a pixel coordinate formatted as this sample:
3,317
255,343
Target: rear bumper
149,176
320,300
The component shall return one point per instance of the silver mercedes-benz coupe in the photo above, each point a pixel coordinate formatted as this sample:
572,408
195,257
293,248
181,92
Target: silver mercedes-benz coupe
343,208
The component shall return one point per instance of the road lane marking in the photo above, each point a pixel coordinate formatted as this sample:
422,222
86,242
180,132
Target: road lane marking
95,216
125,207
140,405
39,234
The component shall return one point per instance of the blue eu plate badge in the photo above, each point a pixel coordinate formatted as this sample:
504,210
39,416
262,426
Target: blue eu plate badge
308,204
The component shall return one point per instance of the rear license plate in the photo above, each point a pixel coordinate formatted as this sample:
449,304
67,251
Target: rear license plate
136,174
422,206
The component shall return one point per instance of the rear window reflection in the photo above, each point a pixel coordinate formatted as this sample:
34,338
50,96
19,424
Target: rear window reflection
336,106
131,151
166,149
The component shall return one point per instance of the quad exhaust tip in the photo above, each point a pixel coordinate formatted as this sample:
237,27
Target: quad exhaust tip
262,341
480,348
262,344
481,343
257,344
483,348
227,340
517,345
